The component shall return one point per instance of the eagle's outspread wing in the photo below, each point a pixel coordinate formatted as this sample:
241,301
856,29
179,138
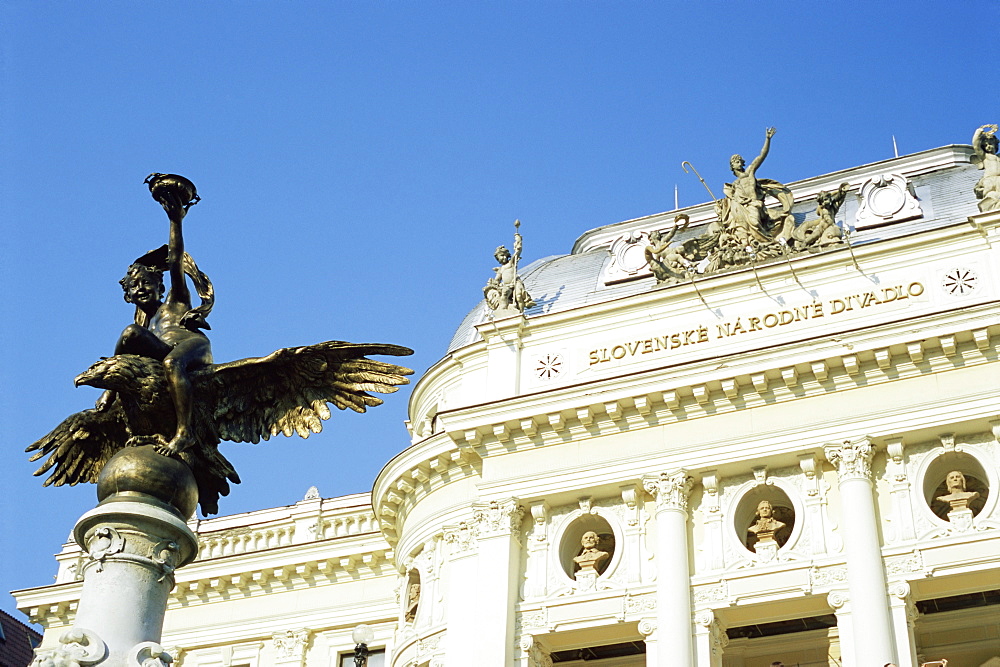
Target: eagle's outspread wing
80,446
288,391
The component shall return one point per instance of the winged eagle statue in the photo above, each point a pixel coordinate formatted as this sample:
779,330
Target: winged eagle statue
163,389
286,392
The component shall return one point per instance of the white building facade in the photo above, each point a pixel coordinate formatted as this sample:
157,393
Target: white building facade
841,386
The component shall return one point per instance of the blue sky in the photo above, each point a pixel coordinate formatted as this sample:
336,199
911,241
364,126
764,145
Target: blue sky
360,161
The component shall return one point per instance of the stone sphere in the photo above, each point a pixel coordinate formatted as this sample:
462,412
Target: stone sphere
141,470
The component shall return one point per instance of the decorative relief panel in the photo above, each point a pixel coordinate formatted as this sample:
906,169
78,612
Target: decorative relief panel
628,258
884,199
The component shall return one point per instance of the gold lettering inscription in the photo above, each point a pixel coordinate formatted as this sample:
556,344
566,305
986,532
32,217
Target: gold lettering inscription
748,324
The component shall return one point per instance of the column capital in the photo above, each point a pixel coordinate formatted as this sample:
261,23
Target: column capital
497,517
290,646
853,458
670,489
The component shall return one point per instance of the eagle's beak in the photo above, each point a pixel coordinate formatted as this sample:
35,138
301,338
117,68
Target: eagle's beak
83,378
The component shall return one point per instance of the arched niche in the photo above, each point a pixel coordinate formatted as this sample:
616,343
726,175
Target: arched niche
411,599
572,536
745,514
934,483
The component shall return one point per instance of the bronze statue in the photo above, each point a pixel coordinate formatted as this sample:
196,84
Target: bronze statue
163,389
987,190
169,329
505,292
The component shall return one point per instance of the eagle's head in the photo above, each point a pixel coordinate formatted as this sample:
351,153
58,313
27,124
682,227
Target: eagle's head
121,373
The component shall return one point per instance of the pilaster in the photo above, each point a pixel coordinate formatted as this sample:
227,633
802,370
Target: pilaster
901,524
485,552
904,615
710,639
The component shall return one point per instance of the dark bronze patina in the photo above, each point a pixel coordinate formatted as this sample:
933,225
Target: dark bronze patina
162,388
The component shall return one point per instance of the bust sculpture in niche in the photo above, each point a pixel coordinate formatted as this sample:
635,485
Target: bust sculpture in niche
590,558
765,526
957,497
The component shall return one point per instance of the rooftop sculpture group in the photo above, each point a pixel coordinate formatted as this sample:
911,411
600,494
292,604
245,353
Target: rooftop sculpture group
745,230
162,388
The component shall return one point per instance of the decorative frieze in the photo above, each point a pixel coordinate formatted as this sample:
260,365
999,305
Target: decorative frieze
853,458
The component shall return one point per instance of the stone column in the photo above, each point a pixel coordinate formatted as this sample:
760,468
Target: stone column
865,572
904,614
533,654
841,606
647,628
710,639
483,585
673,572
134,540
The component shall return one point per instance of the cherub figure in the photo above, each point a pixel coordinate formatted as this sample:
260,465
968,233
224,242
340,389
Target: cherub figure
505,292
169,329
984,143
669,263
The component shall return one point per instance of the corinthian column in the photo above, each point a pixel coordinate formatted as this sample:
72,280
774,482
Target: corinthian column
866,581
673,575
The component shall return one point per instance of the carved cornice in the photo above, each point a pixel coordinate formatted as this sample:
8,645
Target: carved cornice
670,489
457,453
852,458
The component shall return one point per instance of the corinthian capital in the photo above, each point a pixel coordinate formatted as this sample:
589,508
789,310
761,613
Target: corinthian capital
853,458
670,489
498,517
